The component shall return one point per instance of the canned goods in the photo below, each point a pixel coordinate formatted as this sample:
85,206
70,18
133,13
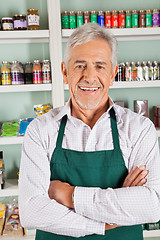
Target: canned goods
128,19
142,18
65,20
149,18
156,111
107,19
72,20
86,16
134,18
121,19
155,18
114,19
80,19
101,18
94,17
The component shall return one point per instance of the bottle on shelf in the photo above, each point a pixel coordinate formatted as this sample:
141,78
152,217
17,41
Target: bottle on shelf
6,73
28,73
37,72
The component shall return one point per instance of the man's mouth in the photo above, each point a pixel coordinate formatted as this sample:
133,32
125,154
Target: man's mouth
89,88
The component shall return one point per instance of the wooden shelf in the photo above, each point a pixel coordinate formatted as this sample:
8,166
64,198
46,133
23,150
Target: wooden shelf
131,84
28,36
125,34
11,140
25,88
11,188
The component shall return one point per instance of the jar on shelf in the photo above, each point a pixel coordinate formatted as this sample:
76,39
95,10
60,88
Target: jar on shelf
86,15
142,18
101,18
155,70
145,71
128,72
107,19
15,73
72,20
80,18
28,73
148,18
128,19
134,71
21,79
156,18
65,20
33,19
46,71
7,24
134,19
139,71
114,19
19,22
150,70
37,72
121,19
94,18
6,73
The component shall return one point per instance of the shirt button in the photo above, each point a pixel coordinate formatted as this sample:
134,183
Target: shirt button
84,214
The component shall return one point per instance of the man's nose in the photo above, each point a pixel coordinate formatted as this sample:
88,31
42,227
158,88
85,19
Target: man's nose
89,73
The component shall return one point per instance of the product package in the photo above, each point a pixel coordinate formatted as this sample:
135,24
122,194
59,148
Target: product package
42,108
156,110
2,216
10,128
141,107
2,171
12,227
23,124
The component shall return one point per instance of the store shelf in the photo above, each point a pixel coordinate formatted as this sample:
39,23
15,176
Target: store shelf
35,36
26,88
125,34
132,84
158,131
11,140
19,238
151,233
11,188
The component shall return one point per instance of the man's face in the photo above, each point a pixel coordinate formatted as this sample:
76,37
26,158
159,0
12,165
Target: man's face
89,74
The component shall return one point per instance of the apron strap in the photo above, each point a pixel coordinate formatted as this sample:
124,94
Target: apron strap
114,129
61,132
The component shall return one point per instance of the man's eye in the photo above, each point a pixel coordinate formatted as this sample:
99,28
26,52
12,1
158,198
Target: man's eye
80,66
100,67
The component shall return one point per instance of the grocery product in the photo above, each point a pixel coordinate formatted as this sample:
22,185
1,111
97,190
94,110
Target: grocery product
150,71
19,22
155,18
148,18
2,171
23,124
37,72
46,71
2,216
139,72
42,108
33,19
142,18
80,18
121,19
72,20
101,18
134,71
7,24
107,19
141,107
134,19
128,72
94,16
6,73
10,128
65,20
114,19
28,73
145,71
128,19
86,15
17,75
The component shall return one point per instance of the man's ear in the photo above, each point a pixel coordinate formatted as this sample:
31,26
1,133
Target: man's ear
64,72
114,73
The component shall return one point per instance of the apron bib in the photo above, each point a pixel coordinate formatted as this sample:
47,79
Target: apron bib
102,169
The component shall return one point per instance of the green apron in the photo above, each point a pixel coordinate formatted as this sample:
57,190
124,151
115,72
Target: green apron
102,169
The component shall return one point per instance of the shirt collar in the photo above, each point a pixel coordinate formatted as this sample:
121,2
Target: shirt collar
66,110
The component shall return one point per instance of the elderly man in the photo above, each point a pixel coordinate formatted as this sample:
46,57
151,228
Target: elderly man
90,169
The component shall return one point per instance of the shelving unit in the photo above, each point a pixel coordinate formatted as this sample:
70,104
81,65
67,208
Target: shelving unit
11,188
26,88
129,34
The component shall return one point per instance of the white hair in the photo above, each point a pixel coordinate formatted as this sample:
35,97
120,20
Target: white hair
87,33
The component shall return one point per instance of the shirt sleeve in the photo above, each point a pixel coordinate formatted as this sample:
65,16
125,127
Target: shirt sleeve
130,205
37,210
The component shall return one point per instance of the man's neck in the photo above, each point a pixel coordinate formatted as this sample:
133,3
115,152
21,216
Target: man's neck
89,116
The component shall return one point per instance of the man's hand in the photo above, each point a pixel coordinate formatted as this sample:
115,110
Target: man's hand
136,177
61,192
